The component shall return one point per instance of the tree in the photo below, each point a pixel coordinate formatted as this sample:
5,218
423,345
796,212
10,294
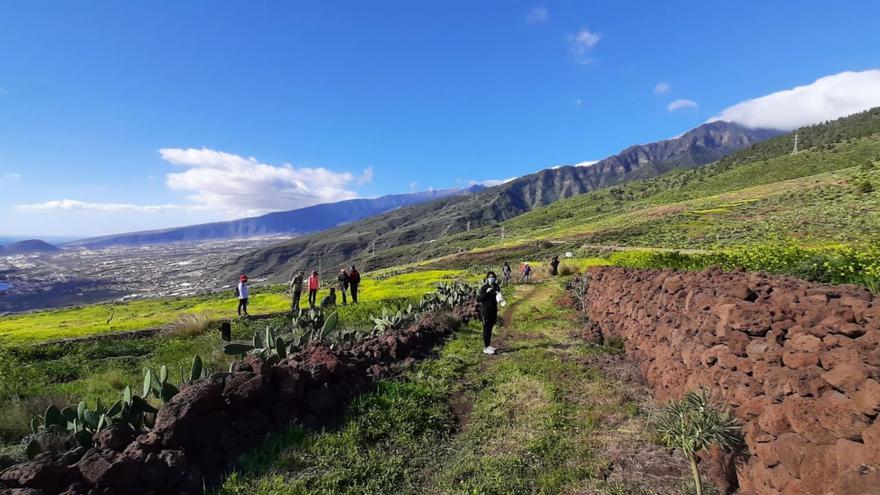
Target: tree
694,424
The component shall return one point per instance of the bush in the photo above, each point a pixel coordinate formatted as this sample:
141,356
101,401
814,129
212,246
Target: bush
189,324
858,265
864,187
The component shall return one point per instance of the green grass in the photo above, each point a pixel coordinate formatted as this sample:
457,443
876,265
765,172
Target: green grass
34,376
529,419
95,319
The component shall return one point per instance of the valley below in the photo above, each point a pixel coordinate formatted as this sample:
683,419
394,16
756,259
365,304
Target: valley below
81,276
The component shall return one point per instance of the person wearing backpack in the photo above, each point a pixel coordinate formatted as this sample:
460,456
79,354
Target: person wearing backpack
242,292
329,301
526,273
296,289
505,273
488,298
354,280
314,284
343,280
554,266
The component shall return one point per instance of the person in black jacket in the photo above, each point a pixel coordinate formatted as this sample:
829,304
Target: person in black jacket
489,309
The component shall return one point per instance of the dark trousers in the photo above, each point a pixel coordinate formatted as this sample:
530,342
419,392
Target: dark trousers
294,302
242,306
344,300
354,293
488,323
313,297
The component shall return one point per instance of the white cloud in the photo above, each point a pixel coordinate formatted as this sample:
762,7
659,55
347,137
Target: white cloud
586,163
537,15
581,44
681,103
366,177
244,186
72,205
826,98
578,102
662,88
413,186
9,177
3,91
490,182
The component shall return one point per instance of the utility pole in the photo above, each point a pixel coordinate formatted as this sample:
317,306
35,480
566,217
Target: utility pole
795,150
502,232
373,248
319,264
469,226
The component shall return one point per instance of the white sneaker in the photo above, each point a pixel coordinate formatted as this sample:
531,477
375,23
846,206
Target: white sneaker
489,350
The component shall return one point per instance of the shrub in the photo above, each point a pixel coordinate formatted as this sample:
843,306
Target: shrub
696,423
189,324
864,186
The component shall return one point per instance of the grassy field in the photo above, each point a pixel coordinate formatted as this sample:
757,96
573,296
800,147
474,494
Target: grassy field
541,417
35,376
115,317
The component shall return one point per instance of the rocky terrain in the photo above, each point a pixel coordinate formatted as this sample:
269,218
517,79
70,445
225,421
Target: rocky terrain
799,364
209,423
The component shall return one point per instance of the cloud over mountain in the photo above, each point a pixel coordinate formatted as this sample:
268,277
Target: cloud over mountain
826,98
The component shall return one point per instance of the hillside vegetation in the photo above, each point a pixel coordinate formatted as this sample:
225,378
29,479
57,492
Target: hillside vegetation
409,234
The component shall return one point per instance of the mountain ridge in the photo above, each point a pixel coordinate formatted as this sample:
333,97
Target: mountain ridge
299,221
427,222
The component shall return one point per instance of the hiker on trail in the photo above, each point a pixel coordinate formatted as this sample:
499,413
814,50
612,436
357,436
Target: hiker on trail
296,290
554,265
354,280
343,279
330,300
488,299
314,284
505,273
526,273
242,292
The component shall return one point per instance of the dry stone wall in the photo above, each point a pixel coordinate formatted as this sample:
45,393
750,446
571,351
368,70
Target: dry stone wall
799,363
210,423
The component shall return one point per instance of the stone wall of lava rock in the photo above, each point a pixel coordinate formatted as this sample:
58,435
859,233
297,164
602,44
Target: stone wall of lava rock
210,423
799,363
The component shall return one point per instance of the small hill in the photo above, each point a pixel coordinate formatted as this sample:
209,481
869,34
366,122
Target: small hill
299,221
415,229
30,246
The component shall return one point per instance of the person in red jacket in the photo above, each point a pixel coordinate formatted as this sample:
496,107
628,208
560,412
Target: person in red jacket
354,280
314,284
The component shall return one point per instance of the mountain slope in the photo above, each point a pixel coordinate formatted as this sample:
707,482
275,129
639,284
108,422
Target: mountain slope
30,246
426,223
300,221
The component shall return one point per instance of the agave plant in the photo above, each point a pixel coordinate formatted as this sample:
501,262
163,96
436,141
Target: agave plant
696,423
272,348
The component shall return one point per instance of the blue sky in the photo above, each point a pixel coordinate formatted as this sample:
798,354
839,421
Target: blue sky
120,116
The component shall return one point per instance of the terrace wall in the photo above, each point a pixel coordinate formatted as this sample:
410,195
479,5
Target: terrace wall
799,363
210,423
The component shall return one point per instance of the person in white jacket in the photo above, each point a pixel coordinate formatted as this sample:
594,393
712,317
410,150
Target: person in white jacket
242,292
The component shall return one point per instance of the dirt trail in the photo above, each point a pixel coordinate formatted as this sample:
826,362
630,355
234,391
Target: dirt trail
552,414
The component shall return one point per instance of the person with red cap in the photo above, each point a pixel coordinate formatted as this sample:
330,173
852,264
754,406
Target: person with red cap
242,292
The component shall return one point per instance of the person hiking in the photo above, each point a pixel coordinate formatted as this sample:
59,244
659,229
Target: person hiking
296,290
488,299
329,301
242,292
314,284
505,273
526,273
554,266
354,280
343,279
